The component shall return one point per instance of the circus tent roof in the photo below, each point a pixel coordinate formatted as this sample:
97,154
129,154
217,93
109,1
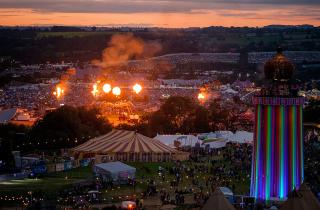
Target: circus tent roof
121,141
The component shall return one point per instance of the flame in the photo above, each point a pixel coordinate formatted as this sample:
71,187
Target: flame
106,88
58,92
116,91
137,88
201,96
95,90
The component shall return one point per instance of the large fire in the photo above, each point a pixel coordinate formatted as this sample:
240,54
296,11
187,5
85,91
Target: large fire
201,96
58,92
137,88
116,91
106,88
95,90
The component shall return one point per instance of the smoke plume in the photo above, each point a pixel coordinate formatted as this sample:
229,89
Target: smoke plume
124,47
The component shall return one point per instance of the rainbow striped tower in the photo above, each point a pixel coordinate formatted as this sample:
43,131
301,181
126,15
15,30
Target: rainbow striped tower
277,162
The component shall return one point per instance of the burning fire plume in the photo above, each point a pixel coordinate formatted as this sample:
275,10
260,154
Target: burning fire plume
116,91
106,88
95,90
58,92
61,87
137,88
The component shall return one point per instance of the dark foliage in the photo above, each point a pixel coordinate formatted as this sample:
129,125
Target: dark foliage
67,127
311,112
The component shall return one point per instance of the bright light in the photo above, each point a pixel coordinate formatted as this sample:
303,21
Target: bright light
106,88
95,89
116,91
201,96
59,92
137,88
130,206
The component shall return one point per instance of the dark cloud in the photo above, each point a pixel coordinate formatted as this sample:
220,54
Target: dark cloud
147,6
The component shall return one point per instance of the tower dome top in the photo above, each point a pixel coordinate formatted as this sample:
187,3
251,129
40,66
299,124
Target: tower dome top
278,68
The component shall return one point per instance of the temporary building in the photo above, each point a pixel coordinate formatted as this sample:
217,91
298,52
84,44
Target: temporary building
177,140
217,201
7,115
124,145
114,171
302,199
212,139
241,137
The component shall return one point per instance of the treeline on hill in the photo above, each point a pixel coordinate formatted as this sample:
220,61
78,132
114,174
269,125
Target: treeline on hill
72,44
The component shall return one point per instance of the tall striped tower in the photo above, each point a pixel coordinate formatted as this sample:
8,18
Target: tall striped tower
277,162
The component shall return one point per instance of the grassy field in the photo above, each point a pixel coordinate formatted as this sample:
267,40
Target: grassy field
51,184
70,34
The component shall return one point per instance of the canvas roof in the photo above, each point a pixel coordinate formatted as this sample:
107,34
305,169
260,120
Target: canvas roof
7,115
217,201
302,199
122,141
115,167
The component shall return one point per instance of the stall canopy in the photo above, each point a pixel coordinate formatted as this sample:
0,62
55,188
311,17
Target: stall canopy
302,199
217,201
114,171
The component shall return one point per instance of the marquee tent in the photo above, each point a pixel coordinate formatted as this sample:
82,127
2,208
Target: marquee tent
124,145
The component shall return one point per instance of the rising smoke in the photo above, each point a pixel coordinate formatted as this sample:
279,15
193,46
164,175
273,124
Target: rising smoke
124,47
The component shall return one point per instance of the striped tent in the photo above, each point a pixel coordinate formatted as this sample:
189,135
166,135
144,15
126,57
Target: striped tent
124,145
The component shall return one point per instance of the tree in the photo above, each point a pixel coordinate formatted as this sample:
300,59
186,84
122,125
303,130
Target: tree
6,157
178,115
67,127
310,110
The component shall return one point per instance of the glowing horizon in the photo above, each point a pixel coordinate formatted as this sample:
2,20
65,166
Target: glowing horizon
158,13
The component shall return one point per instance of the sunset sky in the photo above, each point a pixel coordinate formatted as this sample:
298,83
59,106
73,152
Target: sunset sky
161,13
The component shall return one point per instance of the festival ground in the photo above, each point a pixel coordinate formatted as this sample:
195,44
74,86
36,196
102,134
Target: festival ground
54,185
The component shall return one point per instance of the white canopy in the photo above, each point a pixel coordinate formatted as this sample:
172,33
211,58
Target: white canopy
185,140
215,139
115,170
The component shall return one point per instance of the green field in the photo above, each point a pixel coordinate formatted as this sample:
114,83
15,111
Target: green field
70,34
51,184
